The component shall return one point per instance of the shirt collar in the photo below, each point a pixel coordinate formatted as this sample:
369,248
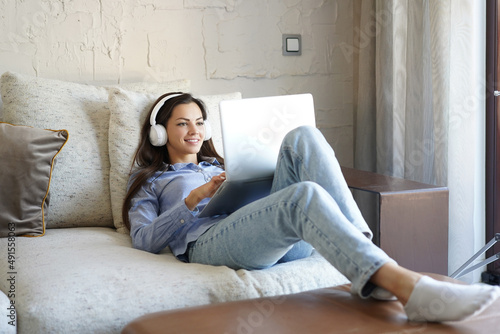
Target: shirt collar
204,161
209,160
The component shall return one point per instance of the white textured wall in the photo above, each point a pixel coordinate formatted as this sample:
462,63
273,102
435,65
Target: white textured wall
221,45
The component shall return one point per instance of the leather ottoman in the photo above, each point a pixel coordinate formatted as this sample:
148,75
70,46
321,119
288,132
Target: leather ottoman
329,310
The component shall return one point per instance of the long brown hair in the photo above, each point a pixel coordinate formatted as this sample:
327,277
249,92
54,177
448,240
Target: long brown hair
150,159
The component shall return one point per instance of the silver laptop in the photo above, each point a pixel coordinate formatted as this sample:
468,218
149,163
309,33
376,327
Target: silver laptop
252,132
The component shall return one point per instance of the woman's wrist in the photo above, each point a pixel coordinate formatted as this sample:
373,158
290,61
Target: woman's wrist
192,201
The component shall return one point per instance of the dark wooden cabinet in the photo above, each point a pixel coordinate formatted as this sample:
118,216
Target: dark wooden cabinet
409,219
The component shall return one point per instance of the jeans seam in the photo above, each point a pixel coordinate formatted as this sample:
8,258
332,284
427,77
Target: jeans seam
294,156
246,218
331,244
232,225
369,271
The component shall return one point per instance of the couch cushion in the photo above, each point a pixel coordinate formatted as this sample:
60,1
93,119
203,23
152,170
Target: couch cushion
28,156
80,193
128,111
91,280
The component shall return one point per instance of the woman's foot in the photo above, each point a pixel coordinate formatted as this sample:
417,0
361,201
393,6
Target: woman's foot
437,301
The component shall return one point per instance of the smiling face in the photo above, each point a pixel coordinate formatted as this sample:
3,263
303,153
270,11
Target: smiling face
186,132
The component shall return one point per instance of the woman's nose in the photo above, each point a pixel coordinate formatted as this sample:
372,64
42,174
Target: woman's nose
193,129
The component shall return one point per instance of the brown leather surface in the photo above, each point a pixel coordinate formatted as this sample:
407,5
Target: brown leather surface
331,310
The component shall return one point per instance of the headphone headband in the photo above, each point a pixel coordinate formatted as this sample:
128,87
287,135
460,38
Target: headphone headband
157,107
158,133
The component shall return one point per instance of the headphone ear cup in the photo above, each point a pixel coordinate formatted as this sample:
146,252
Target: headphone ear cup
208,130
158,135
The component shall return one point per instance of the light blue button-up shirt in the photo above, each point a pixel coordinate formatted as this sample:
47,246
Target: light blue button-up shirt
159,216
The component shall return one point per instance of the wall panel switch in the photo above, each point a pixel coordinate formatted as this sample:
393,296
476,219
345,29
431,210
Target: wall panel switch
292,45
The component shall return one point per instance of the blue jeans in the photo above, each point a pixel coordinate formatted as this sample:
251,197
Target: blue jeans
310,205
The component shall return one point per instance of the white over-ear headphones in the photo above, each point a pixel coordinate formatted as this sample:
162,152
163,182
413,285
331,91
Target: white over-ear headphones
158,133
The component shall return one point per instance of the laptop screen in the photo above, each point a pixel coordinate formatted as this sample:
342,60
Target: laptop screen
253,129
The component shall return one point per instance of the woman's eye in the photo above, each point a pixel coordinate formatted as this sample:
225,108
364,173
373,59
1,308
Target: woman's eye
182,124
201,123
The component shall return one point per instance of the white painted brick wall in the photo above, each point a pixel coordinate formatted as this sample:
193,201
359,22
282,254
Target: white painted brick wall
221,45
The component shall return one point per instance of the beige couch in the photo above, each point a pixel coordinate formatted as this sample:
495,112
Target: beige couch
78,272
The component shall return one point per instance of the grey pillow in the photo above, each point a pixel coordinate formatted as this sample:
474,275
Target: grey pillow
27,158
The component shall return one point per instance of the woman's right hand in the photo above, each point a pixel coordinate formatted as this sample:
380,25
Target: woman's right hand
204,191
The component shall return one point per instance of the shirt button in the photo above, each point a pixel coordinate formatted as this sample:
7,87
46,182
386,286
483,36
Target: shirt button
182,221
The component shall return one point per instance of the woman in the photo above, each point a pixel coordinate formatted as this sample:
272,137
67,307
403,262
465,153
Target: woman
309,206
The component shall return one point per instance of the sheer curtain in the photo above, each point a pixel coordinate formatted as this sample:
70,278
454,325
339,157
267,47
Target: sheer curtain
415,67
